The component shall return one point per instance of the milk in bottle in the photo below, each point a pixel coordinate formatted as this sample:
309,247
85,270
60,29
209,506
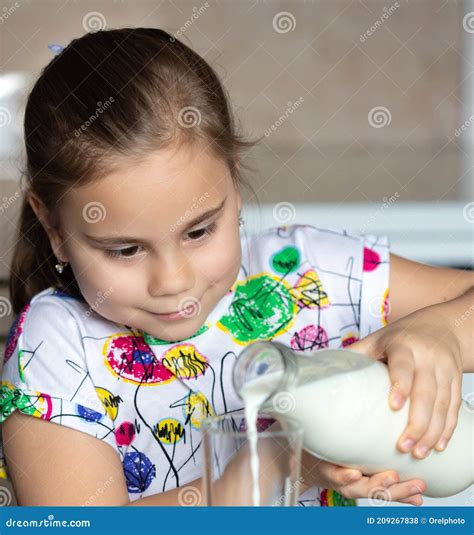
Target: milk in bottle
341,399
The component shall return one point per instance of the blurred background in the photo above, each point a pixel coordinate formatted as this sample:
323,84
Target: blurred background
365,107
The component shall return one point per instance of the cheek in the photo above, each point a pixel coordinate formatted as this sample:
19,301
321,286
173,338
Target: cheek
102,284
221,261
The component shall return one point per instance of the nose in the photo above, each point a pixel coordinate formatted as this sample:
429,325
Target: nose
171,275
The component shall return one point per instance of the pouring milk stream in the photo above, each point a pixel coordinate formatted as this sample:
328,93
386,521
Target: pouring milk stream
341,399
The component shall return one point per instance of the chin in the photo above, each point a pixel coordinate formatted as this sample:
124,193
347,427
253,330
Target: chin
179,330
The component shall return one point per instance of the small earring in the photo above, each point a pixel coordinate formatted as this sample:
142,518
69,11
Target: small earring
241,221
60,266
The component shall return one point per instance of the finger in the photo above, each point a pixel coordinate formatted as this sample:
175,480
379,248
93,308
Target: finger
416,499
367,346
396,492
401,370
438,418
422,398
405,490
453,412
367,486
335,476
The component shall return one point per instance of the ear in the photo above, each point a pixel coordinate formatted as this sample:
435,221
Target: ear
44,218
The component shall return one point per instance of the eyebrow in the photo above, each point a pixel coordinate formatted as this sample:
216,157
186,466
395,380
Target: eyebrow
116,240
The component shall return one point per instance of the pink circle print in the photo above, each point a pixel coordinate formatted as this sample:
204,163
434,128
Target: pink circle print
309,338
371,259
130,357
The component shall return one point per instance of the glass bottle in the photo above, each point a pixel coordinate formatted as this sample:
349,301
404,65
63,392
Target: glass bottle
341,399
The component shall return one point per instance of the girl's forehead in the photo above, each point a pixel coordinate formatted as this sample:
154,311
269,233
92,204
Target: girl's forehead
158,187
173,167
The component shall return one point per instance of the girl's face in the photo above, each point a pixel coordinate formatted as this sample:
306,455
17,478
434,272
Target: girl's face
161,255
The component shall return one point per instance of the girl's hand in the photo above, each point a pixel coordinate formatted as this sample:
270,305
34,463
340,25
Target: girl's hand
382,485
424,361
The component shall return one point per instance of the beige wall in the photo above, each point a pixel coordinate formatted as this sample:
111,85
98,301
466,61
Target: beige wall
325,150
315,83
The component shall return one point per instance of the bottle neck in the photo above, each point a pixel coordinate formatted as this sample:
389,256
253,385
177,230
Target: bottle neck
290,366
262,358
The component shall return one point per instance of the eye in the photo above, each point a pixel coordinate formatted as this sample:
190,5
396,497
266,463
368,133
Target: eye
198,234
125,254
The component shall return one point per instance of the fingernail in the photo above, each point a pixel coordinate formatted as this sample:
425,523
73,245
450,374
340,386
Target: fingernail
442,444
416,490
388,481
421,451
407,444
397,400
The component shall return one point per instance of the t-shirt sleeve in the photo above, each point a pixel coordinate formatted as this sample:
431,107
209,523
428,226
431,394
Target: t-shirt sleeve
46,374
374,289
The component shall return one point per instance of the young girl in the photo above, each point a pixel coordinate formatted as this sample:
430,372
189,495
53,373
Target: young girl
135,289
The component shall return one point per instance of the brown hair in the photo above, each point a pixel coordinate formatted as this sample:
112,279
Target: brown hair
146,85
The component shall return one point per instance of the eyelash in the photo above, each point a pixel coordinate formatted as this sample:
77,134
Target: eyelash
117,253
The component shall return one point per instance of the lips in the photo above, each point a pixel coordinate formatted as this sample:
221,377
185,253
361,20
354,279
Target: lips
181,311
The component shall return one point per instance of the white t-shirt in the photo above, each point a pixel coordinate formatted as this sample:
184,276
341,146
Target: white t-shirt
304,286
